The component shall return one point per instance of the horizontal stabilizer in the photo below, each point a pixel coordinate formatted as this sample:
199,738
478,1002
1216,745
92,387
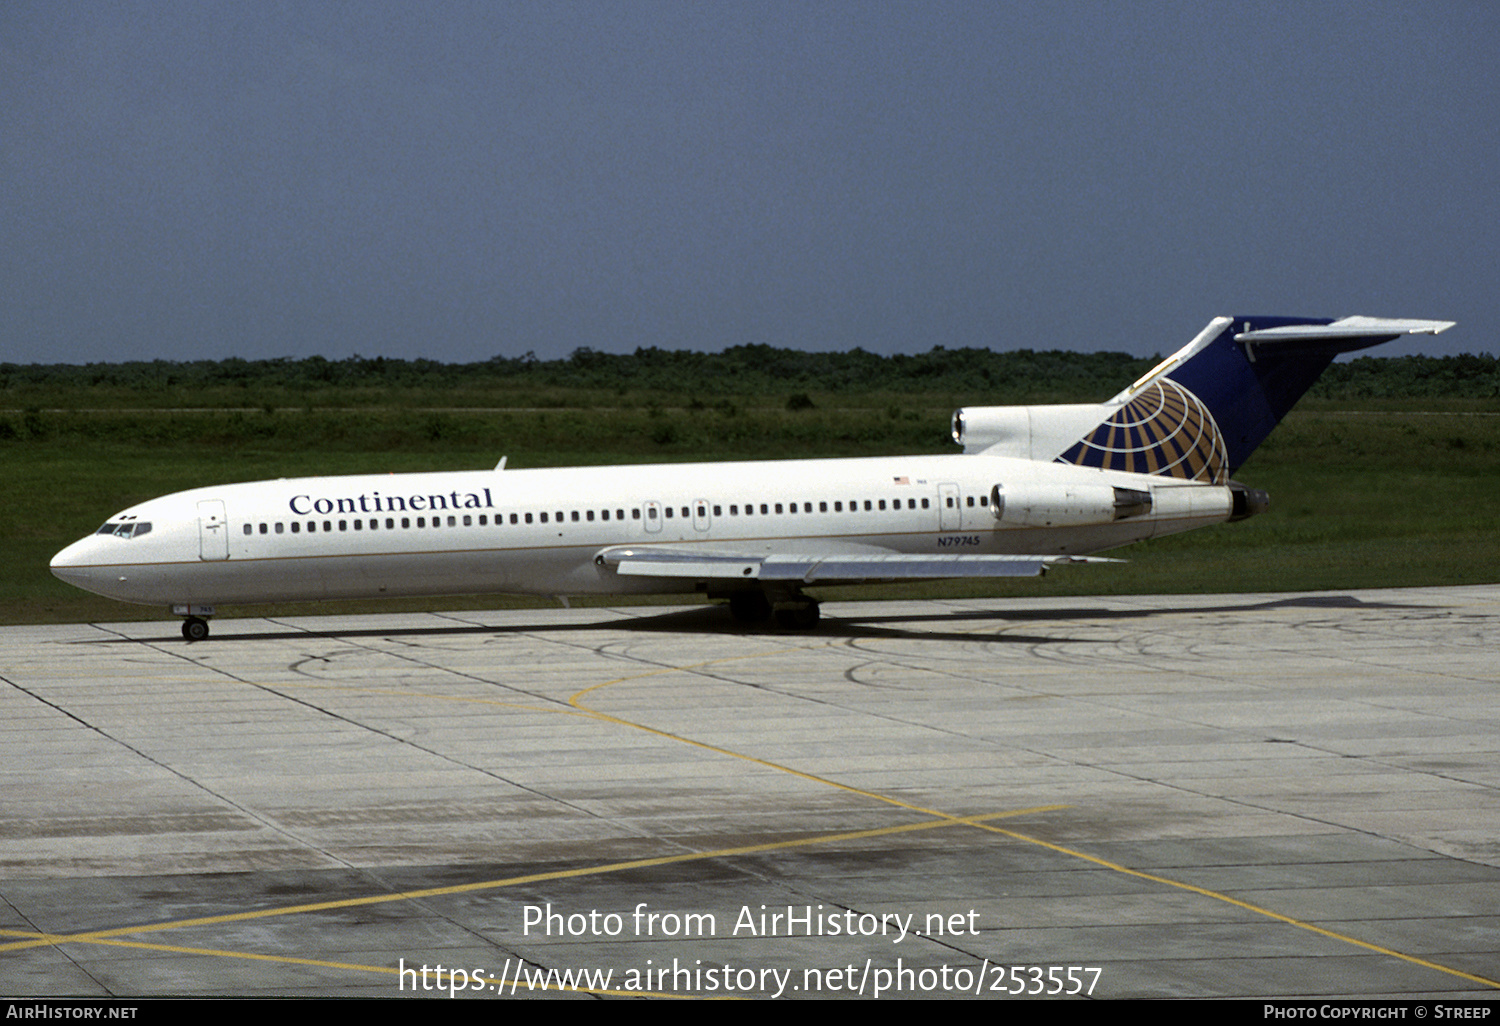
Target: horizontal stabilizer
1247,373
824,569
1360,331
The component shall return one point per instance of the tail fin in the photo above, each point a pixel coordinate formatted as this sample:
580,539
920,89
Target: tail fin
1223,393
1197,415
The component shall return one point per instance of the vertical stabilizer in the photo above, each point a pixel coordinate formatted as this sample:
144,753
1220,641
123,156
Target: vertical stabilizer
1200,413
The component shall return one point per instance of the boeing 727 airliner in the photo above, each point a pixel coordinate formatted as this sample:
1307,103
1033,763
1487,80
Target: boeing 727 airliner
1035,486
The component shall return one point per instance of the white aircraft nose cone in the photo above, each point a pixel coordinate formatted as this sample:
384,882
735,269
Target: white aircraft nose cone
67,557
73,564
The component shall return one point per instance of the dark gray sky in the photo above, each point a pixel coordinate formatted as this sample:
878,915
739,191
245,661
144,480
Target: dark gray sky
451,180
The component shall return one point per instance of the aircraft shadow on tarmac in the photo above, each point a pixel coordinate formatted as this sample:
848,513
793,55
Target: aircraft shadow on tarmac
715,620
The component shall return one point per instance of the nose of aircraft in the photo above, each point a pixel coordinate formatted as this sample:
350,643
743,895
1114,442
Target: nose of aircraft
76,566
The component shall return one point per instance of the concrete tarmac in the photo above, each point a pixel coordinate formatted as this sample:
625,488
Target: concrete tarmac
1279,795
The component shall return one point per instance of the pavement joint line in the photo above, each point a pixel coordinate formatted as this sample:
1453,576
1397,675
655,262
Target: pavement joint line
1116,867
31,939
1237,903
516,981
940,820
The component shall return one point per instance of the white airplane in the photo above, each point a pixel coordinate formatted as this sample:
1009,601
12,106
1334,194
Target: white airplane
1036,486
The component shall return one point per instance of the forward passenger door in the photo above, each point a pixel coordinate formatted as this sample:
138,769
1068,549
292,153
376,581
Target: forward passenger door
213,530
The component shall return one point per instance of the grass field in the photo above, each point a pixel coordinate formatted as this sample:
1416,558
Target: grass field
1373,496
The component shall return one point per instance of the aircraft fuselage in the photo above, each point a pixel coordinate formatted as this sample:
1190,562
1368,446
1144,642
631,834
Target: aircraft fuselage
540,531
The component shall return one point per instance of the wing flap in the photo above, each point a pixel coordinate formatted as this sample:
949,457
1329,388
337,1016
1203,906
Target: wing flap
819,568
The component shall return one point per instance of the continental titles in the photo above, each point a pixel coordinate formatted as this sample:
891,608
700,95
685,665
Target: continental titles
374,502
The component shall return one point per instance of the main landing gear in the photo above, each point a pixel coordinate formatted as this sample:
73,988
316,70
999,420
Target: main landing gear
793,612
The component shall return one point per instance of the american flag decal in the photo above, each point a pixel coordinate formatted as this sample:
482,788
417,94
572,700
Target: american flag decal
903,480
1164,430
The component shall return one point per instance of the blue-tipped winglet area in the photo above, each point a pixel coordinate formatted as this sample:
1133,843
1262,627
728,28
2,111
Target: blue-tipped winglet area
1256,368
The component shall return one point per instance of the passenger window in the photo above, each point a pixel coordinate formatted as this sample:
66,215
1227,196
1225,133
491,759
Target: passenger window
467,521
528,517
619,514
822,507
984,500
718,512
421,521
838,507
650,512
262,528
969,501
248,529
603,514
544,518
926,504
296,527
764,509
359,525
778,507
669,512
405,523
867,505
343,525
882,504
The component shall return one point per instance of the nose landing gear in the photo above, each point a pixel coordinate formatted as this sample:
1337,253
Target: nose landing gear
195,627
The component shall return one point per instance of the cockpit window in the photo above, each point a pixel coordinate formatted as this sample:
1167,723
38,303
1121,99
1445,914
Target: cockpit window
126,528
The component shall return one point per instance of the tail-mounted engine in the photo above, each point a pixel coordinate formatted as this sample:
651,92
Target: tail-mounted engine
1067,505
1247,501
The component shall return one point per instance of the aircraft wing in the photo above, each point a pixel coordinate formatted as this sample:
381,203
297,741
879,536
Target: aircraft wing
829,568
